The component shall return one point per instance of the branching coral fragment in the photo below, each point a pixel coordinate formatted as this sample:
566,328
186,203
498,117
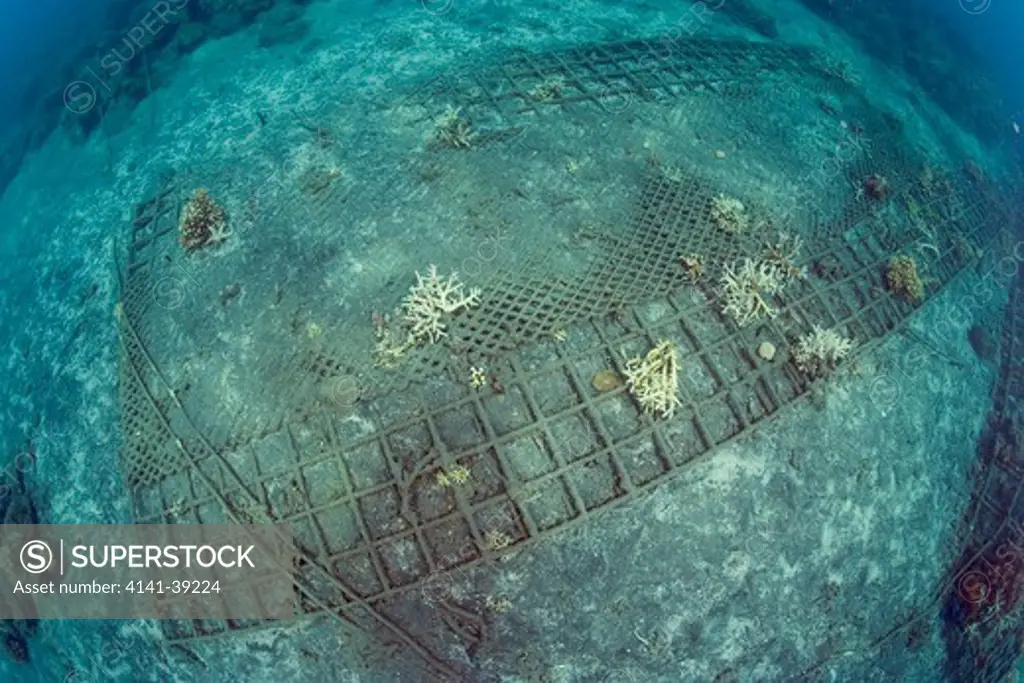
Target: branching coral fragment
218,233
818,352
654,379
432,299
388,352
783,255
453,129
477,377
744,289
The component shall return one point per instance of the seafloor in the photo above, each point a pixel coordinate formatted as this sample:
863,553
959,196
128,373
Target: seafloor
781,555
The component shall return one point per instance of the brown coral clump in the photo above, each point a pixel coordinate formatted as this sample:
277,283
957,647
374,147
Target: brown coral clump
202,222
693,264
876,187
902,279
550,89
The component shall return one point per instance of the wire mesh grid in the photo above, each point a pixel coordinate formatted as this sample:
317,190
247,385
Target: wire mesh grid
367,499
984,598
391,500
609,75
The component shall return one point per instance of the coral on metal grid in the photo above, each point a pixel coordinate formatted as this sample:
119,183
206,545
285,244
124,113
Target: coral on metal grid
454,129
729,214
202,222
425,310
431,300
783,255
744,288
819,351
902,278
654,379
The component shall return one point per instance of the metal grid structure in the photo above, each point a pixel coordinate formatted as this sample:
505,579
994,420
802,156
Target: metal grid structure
368,510
984,603
380,528
610,75
158,271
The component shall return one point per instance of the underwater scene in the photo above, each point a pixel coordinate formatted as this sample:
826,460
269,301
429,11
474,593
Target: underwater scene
512,341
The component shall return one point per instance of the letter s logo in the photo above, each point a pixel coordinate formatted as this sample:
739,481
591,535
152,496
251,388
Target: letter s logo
36,557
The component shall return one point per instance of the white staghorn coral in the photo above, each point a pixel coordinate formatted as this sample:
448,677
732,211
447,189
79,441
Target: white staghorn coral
430,300
744,289
653,379
819,351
